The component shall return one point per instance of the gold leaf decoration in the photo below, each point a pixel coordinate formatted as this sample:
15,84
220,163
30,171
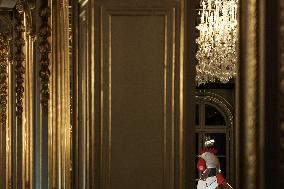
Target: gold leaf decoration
45,48
19,59
4,59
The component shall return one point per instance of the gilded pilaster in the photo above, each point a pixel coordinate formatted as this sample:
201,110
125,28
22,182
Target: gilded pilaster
28,125
248,96
24,63
4,64
6,86
59,162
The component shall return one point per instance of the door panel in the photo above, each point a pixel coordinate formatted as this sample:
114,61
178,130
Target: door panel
135,73
137,83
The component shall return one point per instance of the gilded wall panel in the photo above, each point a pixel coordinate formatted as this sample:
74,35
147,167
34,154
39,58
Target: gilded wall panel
138,98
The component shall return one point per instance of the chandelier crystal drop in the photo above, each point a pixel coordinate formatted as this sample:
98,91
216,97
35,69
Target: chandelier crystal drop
218,35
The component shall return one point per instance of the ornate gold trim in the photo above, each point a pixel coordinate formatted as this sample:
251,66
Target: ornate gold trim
45,48
4,63
19,60
4,56
6,125
23,59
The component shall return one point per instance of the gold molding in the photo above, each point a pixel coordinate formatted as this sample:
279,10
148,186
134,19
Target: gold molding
4,127
59,145
9,130
4,59
181,120
23,68
19,60
6,105
28,125
45,33
170,104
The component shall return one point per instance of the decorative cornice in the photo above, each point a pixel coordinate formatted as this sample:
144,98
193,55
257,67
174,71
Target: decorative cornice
19,59
45,48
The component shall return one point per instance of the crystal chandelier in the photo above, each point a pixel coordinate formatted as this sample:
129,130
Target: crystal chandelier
218,35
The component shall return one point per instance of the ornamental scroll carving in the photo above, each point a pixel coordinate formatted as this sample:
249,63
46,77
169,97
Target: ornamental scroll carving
282,89
45,48
19,59
4,59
